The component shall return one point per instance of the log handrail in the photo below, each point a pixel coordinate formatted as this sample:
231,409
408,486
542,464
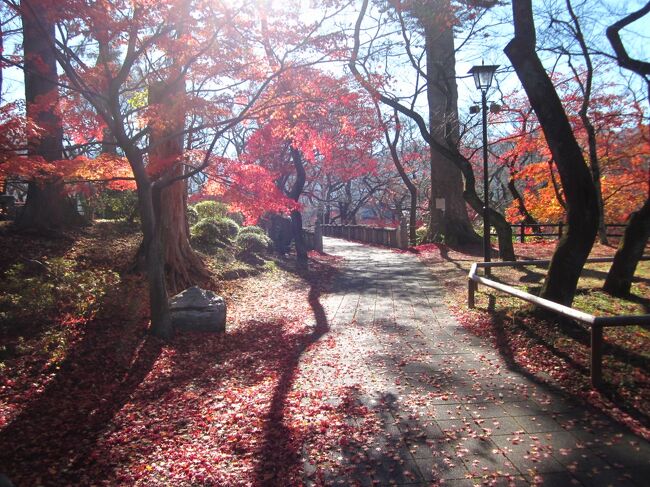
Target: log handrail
560,230
597,323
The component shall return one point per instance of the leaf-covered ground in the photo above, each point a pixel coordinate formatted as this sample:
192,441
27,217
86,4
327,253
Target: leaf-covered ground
105,403
87,397
556,353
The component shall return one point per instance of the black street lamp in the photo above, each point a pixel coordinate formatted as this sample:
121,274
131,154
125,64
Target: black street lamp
483,75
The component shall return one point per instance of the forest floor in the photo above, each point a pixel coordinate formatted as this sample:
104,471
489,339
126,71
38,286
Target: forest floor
88,397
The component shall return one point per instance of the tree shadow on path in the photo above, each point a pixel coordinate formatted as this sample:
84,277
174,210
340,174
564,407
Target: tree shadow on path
280,451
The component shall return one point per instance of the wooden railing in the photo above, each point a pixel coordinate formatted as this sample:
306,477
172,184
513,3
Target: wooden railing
597,323
386,236
555,230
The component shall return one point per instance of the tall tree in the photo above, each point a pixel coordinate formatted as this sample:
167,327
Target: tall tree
47,206
360,68
437,20
637,232
582,207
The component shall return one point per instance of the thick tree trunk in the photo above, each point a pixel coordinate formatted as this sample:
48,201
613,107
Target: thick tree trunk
630,250
107,55
442,97
183,265
47,206
582,208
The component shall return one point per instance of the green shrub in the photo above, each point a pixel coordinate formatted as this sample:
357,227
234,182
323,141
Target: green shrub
206,234
192,216
420,235
210,209
237,217
211,233
252,229
39,290
251,244
229,227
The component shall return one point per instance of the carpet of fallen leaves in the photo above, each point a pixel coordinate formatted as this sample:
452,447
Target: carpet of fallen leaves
552,353
117,406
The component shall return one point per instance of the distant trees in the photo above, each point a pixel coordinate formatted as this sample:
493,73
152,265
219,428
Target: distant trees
150,95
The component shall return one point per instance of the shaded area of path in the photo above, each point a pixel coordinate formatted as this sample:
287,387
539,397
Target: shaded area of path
450,409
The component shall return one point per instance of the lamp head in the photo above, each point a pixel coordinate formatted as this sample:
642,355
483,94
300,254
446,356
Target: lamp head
483,75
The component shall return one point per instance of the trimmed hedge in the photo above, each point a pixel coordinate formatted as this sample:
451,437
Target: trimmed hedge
192,216
210,209
206,233
253,229
251,244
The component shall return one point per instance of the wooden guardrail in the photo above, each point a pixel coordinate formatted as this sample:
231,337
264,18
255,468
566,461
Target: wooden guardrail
389,237
597,323
554,230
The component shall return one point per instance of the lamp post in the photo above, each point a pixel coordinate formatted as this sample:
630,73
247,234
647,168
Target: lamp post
483,75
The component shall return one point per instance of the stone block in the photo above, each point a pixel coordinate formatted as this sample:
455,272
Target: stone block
196,309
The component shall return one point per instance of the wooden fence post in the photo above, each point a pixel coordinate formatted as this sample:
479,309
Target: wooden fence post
318,235
596,356
559,230
522,238
403,234
471,290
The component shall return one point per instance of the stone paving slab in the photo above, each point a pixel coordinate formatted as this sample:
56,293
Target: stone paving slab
451,412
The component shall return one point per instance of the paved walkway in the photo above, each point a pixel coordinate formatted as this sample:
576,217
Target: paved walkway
451,410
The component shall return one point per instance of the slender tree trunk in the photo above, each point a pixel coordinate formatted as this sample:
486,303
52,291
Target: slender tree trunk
521,204
442,98
47,206
582,208
412,189
630,250
296,216
149,199
592,144
183,265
